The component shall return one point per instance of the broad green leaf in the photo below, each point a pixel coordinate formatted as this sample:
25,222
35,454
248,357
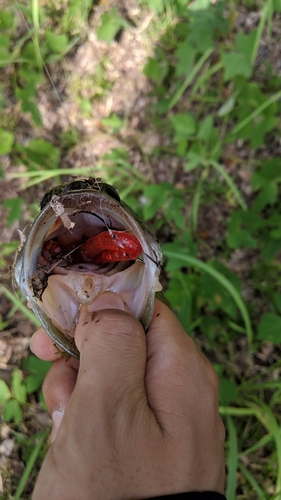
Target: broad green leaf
206,128
38,370
211,326
30,76
235,64
277,5
245,44
5,392
269,328
270,250
184,244
12,411
267,196
111,22
215,295
153,203
29,52
7,19
255,113
156,5
157,67
112,122
4,40
18,388
42,153
184,125
207,22
33,382
6,141
180,296
14,207
86,107
240,238
36,365
185,54
32,108
200,5
200,38
228,391
275,234
277,301
174,210
270,171
57,43
194,160
262,125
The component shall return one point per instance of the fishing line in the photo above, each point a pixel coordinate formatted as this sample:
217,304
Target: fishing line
73,129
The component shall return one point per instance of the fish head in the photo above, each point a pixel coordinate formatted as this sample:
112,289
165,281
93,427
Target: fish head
54,278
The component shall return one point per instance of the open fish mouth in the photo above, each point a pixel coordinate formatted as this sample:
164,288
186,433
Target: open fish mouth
86,241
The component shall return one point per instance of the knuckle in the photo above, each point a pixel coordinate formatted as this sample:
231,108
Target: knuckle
112,323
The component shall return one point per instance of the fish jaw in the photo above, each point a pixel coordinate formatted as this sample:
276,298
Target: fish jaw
66,217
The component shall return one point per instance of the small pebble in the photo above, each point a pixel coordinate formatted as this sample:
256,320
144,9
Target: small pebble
6,447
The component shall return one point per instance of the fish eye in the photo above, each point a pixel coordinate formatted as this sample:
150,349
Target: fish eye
76,185
111,191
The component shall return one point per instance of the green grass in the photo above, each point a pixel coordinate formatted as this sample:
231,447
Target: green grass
214,106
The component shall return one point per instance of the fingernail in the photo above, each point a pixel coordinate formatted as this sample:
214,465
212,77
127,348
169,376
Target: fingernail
107,300
57,417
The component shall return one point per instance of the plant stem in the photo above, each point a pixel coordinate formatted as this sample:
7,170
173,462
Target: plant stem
189,78
230,183
30,464
192,261
256,112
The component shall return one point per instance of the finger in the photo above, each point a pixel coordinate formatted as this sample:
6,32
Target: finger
112,348
43,346
59,384
174,363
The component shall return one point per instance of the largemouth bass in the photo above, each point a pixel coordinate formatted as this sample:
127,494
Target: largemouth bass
86,241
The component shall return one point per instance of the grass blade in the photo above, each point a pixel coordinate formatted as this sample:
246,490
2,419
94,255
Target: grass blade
274,98
35,38
192,261
19,305
250,478
190,77
30,464
205,76
266,417
195,204
264,441
266,13
232,460
230,183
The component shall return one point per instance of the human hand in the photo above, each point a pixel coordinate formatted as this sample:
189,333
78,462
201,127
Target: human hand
140,412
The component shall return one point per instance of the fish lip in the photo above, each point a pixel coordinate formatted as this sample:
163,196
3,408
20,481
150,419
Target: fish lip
75,202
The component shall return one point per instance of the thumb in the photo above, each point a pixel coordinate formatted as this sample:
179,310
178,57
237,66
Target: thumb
112,347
